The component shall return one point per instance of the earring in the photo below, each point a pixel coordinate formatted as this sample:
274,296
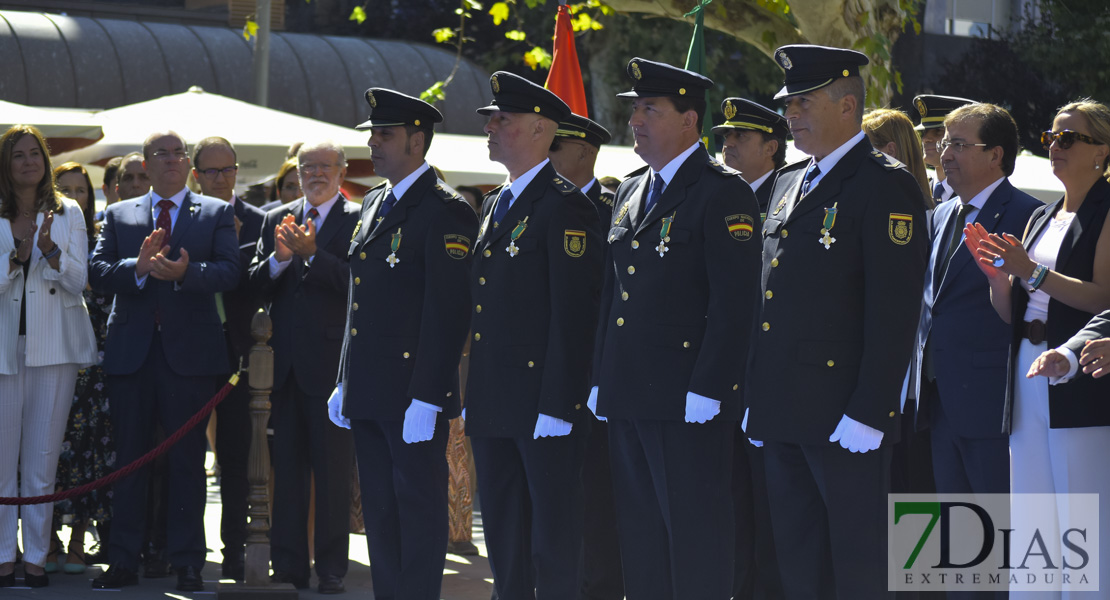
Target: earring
1098,167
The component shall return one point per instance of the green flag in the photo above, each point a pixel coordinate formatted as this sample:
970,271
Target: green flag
695,61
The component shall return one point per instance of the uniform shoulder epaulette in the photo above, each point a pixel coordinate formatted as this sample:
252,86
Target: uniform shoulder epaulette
801,164
639,171
376,187
445,192
888,162
722,168
495,192
565,187
608,198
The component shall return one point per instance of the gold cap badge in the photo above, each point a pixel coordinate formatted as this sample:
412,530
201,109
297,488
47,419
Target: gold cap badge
371,99
730,110
636,71
493,83
920,104
784,60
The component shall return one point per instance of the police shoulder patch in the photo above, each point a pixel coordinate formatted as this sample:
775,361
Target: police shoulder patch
457,246
607,199
722,168
445,193
888,162
900,228
565,187
574,242
740,227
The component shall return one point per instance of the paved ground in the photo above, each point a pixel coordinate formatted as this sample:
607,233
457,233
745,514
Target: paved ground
464,577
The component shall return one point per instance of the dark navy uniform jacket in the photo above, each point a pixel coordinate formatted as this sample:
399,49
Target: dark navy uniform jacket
535,313
679,322
837,324
407,317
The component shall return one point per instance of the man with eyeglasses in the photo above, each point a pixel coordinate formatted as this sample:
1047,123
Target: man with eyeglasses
961,386
932,109
214,167
165,256
301,271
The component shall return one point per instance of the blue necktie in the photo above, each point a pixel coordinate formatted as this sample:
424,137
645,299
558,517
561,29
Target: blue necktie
938,191
387,204
811,173
656,191
502,205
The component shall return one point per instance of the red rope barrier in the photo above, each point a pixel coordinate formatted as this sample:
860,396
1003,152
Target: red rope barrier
145,459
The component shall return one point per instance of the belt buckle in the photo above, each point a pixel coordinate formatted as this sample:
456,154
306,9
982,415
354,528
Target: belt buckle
1035,331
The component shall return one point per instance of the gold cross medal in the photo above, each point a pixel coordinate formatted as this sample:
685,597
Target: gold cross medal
393,246
512,248
664,235
826,227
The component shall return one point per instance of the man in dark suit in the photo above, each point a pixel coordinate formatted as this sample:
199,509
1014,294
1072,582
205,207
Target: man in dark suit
677,311
165,348
214,167
573,154
301,271
932,109
843,263
535,281
755,145
408,314
962,383
1088,349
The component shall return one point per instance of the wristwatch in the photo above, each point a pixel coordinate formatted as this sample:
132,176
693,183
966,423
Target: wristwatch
14,257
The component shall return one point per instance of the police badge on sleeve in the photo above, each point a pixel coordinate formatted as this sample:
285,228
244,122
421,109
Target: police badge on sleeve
574,242
900,228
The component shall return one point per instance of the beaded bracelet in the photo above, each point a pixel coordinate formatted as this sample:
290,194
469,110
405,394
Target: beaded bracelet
1038,276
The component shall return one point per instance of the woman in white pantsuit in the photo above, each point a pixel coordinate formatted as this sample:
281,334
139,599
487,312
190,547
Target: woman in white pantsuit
1048,286
45,337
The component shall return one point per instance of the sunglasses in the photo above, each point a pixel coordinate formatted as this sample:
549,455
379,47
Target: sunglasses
1064,139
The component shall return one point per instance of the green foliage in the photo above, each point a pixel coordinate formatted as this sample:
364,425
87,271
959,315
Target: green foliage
516,35
250,29
358,15
443,34
434,94
537,57
500,12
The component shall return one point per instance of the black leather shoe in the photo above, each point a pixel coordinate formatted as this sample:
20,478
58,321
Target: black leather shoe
115,578
35,581
330,584
301,583
233,568
7,580
189,580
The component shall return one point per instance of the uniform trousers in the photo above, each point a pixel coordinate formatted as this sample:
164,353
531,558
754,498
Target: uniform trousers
531,496
156,394
756,576
307,443
675,516
1055,461
34,410
828,513
602,577
404,505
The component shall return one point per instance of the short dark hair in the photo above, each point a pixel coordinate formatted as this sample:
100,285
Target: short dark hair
779,159
996,128
111,169
410,130
694,103
212,142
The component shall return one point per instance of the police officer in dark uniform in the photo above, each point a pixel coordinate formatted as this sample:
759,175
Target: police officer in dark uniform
535,284
843,260
933,109
408,313
755,144
573,154
678,306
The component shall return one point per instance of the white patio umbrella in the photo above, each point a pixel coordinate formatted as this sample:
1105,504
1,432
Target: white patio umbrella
65,129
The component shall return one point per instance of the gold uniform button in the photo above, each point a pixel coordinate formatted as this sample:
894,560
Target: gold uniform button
478,308
624,295
685,344
631,269
766,326
635,244
831,363
477,336
785,233
362,255
620,321
354,306
487,253
735,386
481,281
406,355
531,364
774,262
768,294
577,407
354,332
891,414
448,394
357,281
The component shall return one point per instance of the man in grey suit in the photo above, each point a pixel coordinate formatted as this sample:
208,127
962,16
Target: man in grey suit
1089,349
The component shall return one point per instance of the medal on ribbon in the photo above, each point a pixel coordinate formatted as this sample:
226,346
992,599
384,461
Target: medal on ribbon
782,204
665,235
393,246
826,227
512,248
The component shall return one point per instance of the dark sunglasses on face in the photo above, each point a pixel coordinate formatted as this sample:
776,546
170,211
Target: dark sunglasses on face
1064,139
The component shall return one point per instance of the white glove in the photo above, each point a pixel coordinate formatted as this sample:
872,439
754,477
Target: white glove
856,436
547,426
420,422
592,404
744,428
700,409
335,408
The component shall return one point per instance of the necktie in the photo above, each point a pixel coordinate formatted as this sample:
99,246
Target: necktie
959,219
387,204
312,215
502,205
811,173
164,221
656,191
938,191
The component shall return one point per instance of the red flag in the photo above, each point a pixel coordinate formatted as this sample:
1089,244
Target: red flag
565,76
